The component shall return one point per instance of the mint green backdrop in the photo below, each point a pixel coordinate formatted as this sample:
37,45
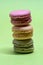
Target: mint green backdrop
7,57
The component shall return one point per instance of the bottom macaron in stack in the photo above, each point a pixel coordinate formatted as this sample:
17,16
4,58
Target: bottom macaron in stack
23,46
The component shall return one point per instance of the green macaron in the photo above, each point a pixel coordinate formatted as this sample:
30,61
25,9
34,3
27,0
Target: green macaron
23,46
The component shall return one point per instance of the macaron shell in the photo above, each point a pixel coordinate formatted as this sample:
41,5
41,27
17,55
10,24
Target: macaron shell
23,29
23,50
19,13
21,22
21,17
22,36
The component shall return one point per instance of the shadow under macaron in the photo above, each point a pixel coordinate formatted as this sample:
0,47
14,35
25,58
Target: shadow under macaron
10,51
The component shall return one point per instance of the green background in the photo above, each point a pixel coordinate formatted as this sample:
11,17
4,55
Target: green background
7,56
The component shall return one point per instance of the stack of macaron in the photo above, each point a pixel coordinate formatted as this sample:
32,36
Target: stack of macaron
22,31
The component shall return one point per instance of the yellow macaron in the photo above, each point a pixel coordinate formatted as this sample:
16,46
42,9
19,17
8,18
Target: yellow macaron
22,33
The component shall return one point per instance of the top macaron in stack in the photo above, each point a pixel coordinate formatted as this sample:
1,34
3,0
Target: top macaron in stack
21,17
22,30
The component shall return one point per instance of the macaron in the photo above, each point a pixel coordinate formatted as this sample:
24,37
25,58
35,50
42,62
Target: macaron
23,43
22,33
20,17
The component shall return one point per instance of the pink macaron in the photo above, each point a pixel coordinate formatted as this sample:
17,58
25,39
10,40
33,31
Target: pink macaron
20,17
